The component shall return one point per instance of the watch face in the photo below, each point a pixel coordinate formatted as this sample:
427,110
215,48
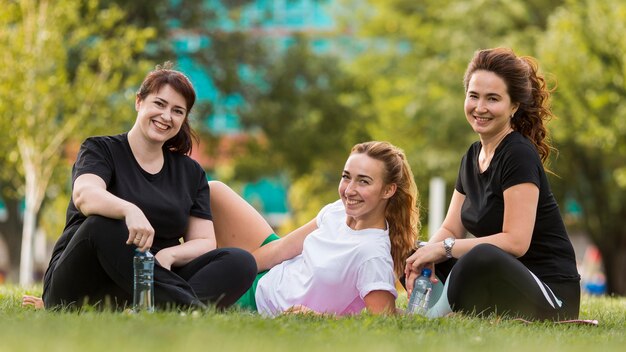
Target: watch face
448,242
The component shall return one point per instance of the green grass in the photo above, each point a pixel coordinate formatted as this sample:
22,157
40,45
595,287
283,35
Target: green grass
30,330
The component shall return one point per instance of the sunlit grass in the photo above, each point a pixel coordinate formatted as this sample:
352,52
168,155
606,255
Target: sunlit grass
27,329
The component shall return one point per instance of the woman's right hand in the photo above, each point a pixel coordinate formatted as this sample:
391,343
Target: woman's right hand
140,231
411,273
91,197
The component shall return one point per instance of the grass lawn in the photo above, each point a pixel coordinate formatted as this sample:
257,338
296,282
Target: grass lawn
30,330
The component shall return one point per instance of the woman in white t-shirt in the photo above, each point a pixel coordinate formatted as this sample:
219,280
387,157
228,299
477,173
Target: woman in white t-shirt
344,260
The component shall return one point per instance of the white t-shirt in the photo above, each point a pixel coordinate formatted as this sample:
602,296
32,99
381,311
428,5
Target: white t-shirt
338,267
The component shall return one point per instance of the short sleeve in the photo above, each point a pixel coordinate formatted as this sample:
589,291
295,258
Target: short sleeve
459,181
521,164
466,168
320,216
201,206
376,274
94,158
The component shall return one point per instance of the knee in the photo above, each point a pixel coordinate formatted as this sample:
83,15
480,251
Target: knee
102,221
483,256
242,263
99,227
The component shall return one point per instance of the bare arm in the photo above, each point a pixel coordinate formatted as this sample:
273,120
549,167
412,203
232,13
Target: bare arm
92,198
380,302
285,248
520,209
199,239
452,225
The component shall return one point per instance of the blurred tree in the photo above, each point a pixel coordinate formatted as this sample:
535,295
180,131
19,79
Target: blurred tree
585,48
413,63
67,67
157,26
221,50
306,121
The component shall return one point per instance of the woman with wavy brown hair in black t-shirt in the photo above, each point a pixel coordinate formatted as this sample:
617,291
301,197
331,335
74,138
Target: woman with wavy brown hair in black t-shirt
519,261
141,190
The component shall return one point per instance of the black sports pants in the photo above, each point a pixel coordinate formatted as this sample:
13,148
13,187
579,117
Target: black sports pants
96,267
487,280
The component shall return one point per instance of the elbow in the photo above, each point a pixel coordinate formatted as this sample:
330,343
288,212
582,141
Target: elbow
78,198
519,252
203,245
519,249
209,245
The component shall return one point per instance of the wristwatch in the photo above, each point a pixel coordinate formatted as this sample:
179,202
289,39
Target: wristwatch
448,243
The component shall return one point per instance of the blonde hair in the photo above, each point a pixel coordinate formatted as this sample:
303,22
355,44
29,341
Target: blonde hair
402,211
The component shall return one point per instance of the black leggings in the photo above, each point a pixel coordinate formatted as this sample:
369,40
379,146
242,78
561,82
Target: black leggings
96,268
487,280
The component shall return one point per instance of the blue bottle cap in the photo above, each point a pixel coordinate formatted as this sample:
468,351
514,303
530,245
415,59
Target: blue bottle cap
139,253
426,272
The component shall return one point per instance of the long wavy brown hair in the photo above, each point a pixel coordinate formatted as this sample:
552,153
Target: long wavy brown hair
525,86
402,211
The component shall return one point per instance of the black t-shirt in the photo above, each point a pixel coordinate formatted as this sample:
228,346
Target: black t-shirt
168,198
550,255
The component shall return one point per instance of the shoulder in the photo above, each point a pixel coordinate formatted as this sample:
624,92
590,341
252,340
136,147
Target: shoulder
376,248
105,142
186,168
185,160
103,147
519,162
331,211
473,150
520,149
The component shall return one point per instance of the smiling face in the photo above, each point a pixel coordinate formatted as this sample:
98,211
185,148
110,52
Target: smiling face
161,114
364,193
488,106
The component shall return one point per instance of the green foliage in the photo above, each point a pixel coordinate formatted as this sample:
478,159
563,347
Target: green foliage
415,77
306,111
26,329
69,73
69,67
584,48
306,120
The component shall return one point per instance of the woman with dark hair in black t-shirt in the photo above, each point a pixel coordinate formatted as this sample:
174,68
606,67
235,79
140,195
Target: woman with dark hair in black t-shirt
141,190
519,261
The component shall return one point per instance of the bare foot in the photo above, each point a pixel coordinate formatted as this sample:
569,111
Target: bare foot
36,302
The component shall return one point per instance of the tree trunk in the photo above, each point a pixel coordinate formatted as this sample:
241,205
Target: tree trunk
34,190
614,259
28,238
11,230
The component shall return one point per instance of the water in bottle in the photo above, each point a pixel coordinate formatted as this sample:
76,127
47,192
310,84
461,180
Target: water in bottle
143,290
420,297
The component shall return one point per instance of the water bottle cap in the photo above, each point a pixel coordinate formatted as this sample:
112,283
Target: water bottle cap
427,272
142,254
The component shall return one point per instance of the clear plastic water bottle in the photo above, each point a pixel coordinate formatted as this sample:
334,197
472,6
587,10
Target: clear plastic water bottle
143,290
420,297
